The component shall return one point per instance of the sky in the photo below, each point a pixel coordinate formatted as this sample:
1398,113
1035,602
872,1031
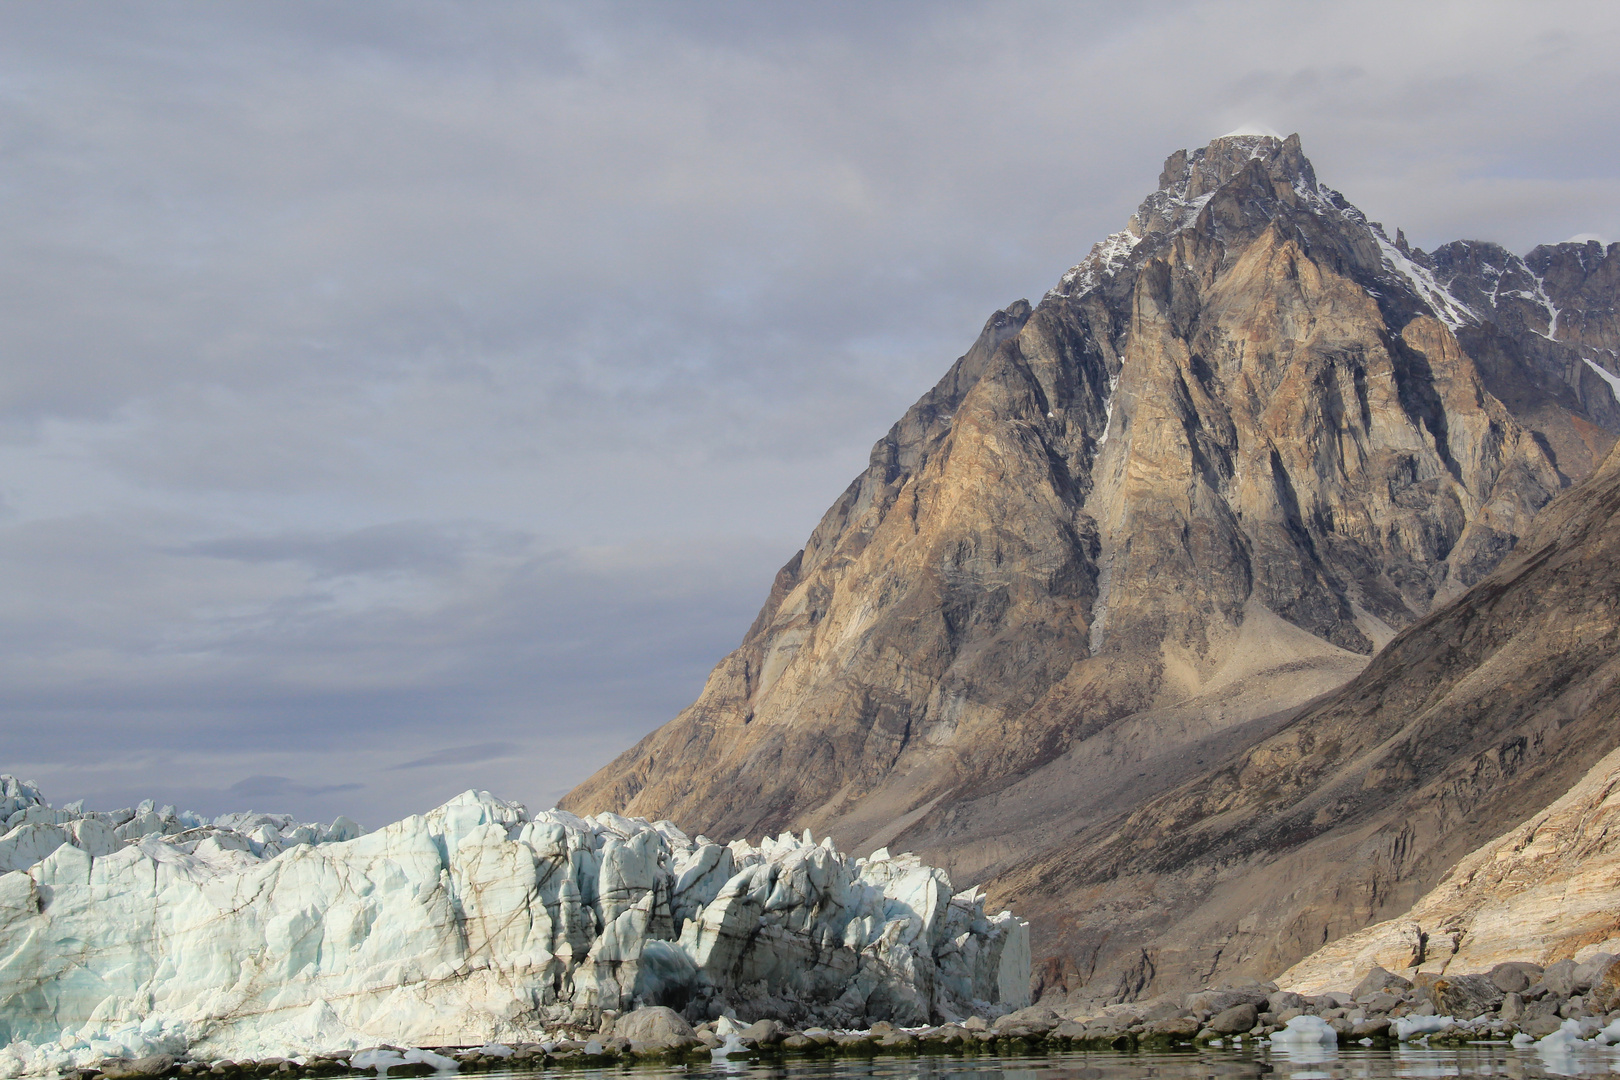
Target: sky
401,398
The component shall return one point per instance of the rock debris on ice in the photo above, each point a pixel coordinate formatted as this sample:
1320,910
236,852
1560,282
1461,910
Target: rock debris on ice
150,931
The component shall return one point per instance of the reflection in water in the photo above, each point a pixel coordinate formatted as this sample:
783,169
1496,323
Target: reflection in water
1250,1063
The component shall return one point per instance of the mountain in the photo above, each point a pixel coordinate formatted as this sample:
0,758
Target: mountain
1137,528
1475,755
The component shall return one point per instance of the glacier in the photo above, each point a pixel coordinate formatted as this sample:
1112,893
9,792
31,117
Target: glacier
152,931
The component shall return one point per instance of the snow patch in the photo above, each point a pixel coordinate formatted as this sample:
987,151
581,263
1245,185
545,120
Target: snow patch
1607,376
1107,258
1447,308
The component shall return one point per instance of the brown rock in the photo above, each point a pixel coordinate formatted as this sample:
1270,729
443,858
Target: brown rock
1175,1027
1605,994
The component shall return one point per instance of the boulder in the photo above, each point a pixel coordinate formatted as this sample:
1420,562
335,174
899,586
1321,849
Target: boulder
1590,971
1176,1027
1381,1002
1514,978
1559,979
1033,1012
1286,999
653,1026
1541,1026
1378,980
1512,1008
1465,996
1604,996
1235,1020
771,1033
1214,1001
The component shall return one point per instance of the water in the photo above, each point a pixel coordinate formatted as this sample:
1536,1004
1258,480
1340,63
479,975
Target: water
1402,1063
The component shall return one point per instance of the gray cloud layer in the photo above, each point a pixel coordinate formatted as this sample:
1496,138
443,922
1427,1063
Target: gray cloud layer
391,384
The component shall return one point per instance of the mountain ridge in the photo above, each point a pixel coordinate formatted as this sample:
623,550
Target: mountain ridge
1232,452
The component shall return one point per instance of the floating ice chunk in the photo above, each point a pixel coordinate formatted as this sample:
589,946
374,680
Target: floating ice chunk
379,1059
1521,1039
1306,1031
1407,1027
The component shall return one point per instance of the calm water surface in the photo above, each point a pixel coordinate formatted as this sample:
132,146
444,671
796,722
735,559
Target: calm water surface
1483,1059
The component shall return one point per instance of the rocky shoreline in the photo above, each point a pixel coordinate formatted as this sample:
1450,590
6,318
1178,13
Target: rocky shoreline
1522,1003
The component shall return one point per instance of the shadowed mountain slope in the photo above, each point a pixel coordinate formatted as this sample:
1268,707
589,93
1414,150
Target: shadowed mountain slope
1464,726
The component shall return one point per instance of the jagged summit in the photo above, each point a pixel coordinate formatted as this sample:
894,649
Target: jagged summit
1236,449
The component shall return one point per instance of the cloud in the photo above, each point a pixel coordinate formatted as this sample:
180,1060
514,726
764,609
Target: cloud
388,378
281,787
460,755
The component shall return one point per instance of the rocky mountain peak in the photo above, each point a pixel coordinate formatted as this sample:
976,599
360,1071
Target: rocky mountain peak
1235,450
1191,176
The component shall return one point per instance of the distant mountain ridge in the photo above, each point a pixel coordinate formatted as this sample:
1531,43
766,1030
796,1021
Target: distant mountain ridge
1137,526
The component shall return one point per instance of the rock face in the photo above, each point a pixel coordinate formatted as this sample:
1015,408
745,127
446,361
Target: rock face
471,923
1545,891
1137,526
1442,756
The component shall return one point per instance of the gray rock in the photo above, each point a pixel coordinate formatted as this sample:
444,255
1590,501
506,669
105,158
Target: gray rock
652,1026
1034,1014
1559,979
1512,1009
1541,1026
1285,999
1214,1001
1465,996
1514,978
1590,971
770,1033
1379,980
1235,1020
1381,1002
1163,1009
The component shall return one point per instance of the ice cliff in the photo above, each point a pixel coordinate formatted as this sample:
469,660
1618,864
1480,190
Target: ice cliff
150,931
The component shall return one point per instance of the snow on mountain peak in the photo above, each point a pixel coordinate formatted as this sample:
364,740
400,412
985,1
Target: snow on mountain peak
1252,128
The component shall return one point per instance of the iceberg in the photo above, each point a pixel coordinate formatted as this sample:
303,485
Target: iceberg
150,931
